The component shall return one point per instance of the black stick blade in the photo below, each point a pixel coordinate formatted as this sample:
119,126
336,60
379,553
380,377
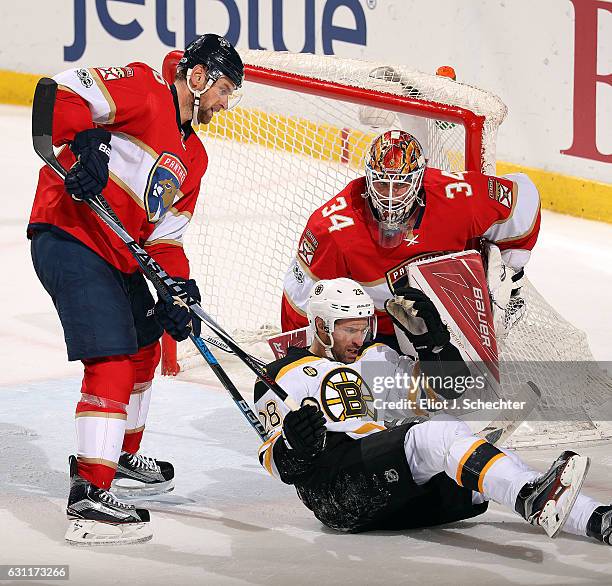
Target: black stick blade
42,108
42,123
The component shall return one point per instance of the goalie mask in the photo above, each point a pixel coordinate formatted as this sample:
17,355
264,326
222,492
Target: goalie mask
336,299
394,169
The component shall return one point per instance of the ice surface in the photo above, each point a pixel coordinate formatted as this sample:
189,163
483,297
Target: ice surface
227,522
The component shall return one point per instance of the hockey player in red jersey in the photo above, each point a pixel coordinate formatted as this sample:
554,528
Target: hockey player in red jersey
402,211
127,132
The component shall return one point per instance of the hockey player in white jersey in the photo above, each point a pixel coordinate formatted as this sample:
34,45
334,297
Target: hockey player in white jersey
355,474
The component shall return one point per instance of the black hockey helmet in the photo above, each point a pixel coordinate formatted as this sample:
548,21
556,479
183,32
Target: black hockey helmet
217,54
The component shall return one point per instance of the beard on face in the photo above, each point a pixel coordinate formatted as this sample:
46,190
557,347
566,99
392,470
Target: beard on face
348,354
205,116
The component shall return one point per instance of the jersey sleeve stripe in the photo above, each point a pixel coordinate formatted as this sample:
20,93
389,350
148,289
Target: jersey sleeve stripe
139,143
376,283
265,455
125,187
297,284
112,107
171,228
302,361
164,241
269,442
516,237
269,462
90,87
175,212
524,213
297,309
368,428
306,269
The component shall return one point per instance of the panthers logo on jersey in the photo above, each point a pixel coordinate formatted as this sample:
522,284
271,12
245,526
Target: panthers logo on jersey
344,394
165,180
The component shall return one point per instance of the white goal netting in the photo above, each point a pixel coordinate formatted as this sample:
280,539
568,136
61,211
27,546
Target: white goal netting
297,138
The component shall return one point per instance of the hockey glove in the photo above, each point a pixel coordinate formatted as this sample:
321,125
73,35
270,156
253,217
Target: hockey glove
175,317
504,284
304,431
416,315
89,174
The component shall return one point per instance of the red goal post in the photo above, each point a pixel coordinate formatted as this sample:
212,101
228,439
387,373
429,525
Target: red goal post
296,138
347,88
472,122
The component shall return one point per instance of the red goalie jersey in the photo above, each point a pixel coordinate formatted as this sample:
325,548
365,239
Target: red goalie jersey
460,208
155,166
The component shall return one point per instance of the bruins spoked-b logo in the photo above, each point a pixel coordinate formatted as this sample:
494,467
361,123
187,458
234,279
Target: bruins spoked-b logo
163,185
345,395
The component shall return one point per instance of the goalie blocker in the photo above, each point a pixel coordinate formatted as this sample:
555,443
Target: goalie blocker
457,285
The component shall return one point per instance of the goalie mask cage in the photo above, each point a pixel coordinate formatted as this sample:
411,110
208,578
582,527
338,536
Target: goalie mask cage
297,137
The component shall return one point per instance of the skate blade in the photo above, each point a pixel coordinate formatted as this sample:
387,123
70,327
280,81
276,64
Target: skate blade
553,515
86,533
127,488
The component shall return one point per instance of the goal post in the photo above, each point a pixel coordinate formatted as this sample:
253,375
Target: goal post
300,118
297,137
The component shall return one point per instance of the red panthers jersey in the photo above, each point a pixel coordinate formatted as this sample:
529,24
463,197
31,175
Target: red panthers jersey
155,168
459,209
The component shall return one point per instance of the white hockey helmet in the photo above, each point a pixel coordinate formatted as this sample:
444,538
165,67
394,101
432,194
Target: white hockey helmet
334,299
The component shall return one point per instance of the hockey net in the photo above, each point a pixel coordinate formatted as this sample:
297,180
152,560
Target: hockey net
297,137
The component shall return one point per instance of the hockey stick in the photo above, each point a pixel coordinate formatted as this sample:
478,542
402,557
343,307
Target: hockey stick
498,431
42,124
221,345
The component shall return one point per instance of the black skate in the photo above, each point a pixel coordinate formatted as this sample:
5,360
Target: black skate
540,502
141,476
98,518
599,525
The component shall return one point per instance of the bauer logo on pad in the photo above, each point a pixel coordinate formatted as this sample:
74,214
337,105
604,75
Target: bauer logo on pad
163,185
457,284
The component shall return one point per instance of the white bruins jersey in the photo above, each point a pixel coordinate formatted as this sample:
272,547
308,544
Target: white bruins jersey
351,396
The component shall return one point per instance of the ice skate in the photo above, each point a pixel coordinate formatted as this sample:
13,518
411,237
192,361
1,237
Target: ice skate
98,518
139,475
540,502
